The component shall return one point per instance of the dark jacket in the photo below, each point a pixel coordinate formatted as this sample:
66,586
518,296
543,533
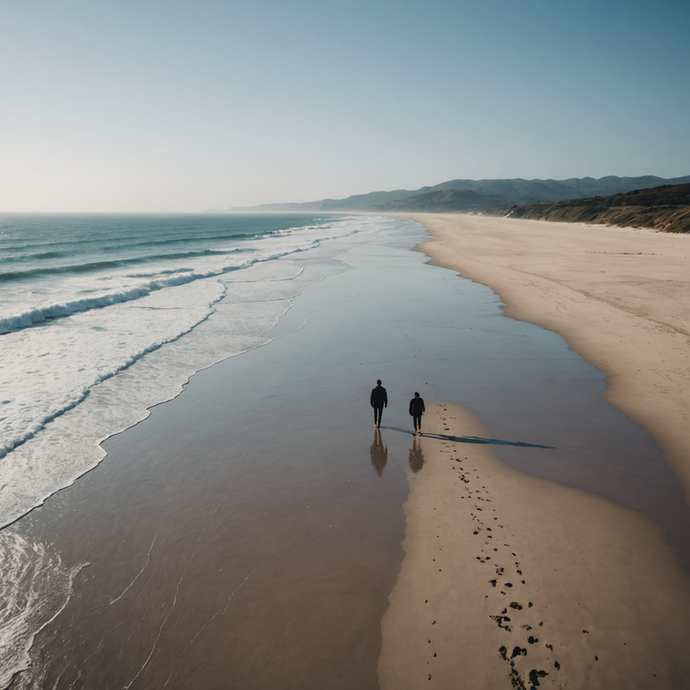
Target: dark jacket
417,407
379,397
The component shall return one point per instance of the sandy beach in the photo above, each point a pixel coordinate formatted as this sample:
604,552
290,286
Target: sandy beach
256,531
510,580
619,296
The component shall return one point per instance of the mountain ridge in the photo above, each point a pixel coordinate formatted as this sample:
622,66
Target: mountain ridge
487,193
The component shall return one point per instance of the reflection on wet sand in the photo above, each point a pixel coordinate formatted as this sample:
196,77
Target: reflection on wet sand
416,456
378,453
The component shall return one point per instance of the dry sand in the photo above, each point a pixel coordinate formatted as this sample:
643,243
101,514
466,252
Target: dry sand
510,579
513,581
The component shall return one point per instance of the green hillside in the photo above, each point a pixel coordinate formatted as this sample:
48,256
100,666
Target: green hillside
665,208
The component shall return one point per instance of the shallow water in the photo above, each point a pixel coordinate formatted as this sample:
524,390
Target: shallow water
248,533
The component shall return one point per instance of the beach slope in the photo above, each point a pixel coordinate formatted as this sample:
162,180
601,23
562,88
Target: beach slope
619,296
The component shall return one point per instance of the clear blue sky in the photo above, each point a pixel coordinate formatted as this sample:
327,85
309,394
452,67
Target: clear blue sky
163,105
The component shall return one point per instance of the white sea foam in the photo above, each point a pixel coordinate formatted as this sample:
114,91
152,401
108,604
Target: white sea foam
130,287
34,588
50,375
51,311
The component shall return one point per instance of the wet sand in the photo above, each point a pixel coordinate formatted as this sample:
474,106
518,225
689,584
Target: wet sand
248,534
240,537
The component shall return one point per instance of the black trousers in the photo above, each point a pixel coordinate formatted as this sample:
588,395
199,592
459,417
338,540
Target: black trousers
378,411
417,418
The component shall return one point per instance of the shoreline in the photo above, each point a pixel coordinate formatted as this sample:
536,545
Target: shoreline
619,296
247,532
510,579
513,580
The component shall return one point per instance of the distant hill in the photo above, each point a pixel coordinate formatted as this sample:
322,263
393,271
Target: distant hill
358,202
665,208
443,201
446,197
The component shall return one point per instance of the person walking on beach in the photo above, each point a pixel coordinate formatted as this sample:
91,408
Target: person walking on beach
378,400
417,409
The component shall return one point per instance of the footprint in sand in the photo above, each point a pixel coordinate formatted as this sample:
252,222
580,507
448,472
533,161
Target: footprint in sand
518,623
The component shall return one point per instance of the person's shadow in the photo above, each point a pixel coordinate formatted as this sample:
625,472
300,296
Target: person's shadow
486,441
378,453
416,456
472,439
